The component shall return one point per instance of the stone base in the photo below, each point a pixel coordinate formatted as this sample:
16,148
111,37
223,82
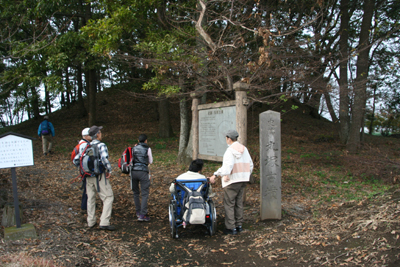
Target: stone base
14,233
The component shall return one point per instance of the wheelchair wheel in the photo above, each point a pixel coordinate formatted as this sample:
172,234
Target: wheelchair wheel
172,222
213,217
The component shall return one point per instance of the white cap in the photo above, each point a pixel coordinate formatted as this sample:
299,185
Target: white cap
85,131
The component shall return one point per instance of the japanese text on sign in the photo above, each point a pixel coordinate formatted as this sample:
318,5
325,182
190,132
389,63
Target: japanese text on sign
15,151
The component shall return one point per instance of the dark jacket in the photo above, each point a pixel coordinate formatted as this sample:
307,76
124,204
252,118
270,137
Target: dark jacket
140,157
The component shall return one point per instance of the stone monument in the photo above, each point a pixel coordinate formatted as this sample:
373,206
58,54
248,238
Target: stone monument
270,165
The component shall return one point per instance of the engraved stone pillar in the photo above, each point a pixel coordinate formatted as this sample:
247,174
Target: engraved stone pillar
195,124
270,165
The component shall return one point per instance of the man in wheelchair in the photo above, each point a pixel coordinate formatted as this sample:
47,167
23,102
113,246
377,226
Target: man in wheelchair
191,201
194,173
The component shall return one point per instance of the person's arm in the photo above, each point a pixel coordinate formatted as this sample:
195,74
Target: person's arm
227,166
39,132
251,161
150,155
104,158
77,159
172,188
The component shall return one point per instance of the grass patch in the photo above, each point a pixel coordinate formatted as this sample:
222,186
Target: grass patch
309,155
334,185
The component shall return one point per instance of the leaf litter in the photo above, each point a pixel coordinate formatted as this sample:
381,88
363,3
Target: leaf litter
351,233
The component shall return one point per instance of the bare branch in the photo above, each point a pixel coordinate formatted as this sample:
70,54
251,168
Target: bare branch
200,29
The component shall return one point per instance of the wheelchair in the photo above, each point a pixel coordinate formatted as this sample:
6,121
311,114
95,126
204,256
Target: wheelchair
176,208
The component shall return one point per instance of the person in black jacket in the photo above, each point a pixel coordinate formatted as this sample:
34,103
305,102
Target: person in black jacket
140,177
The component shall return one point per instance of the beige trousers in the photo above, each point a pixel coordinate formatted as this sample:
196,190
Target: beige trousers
106,195
47,143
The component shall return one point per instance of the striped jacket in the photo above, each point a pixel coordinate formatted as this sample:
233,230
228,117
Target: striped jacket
237,165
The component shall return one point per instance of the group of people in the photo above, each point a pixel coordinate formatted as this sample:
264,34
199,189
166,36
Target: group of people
140,178
235,173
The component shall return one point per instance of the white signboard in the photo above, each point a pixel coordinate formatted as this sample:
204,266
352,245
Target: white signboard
15,151
213,125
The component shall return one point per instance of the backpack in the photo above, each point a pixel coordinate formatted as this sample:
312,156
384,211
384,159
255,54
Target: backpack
90,161
194,206
45,128
75,151
125,161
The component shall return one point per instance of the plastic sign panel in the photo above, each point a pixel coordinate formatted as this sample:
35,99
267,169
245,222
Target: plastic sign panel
213,125
15,151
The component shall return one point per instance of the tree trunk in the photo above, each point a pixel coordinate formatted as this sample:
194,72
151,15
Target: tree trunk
98,81
360,87
91,88
81,104
184,132
35,103
68,88
314,103
47,100
371,125
330,107
344,105
165,127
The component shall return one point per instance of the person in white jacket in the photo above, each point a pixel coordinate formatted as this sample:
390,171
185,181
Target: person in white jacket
237,166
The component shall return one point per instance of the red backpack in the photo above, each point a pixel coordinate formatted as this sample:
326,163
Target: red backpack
76,149
125,161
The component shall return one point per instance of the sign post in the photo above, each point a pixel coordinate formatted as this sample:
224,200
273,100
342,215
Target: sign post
15,195
16,150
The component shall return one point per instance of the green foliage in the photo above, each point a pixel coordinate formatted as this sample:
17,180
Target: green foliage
155,84
309,155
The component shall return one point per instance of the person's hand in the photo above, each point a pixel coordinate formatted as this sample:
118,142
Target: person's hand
108,175
212,179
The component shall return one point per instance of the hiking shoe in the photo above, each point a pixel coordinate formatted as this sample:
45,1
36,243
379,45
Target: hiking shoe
50,152
90,227
143,218
137,215
239,229
108,227
230,231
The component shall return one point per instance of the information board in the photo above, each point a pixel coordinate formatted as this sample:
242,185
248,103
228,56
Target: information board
15,151
213,125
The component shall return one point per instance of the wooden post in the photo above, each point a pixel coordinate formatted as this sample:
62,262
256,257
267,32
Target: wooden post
195,124
241,117
15,195
241,110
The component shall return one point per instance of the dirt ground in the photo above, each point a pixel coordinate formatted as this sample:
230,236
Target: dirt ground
362,232
353,234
